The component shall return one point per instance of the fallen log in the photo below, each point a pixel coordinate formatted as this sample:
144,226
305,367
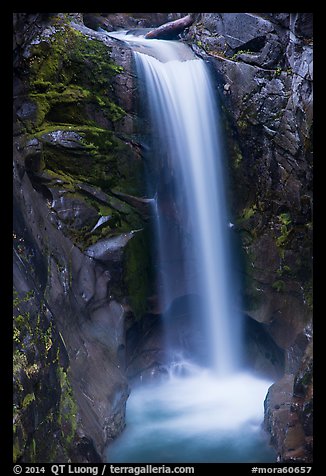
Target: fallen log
172,29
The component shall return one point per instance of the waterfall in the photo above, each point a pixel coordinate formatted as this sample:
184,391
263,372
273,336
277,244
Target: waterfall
185,120
212,410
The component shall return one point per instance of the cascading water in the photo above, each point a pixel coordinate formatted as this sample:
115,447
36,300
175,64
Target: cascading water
183,113
213,411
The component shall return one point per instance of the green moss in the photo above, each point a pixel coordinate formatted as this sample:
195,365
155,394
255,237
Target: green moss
278,71
240,52
28,399
68,70
238,159
22,326
17,450
278,285
21,299
307,378
285,218
32,358
33,451
16,335
71,77
137,272
101,159
48,339
68,102
285,221
247,213
19,363
67,409
242,124
284,270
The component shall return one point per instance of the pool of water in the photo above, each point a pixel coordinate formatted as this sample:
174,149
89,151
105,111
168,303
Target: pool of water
196,418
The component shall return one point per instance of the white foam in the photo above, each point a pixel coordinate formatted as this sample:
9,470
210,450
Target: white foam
202,402
174,419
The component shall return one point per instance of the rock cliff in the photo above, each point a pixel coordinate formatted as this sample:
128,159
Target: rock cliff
77,225
263,65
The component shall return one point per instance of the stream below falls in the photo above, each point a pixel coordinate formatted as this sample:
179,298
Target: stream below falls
198,418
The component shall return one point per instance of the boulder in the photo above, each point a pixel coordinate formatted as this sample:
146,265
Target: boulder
288,414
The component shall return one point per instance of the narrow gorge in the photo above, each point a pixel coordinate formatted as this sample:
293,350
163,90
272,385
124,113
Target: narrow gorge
126,270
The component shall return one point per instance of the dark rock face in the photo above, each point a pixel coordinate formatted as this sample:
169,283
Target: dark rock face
263,64
288,413
75,161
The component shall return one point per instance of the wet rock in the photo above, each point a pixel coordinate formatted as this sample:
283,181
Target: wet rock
267,107
61,178
265,60
145,206
302,24
85,452
261,353
239,29
296,352
106,325
94,192
282,19
145,353
110,249
71,280
66,139
278,414
27,111
101,221
288,414
242,36
73,211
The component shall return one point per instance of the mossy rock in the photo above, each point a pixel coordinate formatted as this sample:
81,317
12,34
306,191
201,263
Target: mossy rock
67,72
100,159
138,276
71,85
40,391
